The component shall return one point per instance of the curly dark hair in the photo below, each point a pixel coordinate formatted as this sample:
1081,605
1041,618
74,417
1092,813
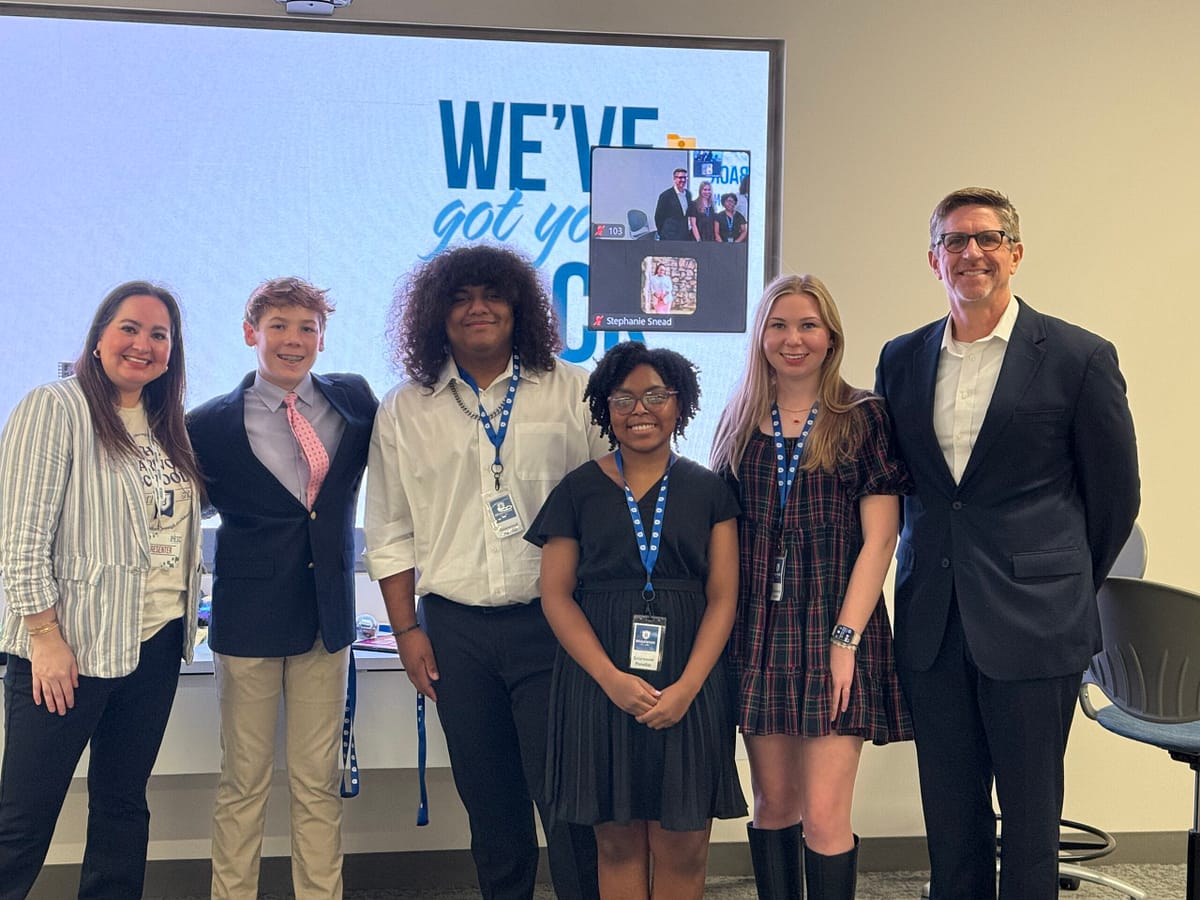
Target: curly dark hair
417,319
676,370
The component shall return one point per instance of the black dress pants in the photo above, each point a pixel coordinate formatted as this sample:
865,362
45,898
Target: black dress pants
493,704
973,731
123,719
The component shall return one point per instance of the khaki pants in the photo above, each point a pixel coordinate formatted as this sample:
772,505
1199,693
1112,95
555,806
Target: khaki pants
313,688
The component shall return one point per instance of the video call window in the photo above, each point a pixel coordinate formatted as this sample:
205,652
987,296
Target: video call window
669,241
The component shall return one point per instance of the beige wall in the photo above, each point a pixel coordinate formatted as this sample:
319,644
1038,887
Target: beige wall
1085,113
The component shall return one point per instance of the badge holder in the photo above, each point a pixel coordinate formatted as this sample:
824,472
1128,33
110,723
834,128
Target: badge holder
646,644
777,575
502,513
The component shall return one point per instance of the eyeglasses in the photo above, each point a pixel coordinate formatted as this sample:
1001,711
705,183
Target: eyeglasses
957,241
655,398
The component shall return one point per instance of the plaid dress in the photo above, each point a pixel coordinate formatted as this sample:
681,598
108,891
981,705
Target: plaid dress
780,651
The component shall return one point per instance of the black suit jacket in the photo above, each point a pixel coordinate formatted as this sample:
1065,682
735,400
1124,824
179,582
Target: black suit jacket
1046,501
281,573
670,219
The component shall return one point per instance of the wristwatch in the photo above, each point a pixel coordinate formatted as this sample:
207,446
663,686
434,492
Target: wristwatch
845,636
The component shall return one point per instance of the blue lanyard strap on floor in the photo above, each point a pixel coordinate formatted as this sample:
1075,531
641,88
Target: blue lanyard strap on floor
349,753
423,807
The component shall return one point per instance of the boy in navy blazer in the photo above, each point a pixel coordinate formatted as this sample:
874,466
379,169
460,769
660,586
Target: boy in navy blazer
1017,432
282,458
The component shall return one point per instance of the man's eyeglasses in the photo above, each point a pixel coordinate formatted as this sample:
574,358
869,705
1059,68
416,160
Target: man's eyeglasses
655,398
957,241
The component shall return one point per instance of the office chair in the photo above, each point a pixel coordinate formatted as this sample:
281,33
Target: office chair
639,226
1150,670
1081,842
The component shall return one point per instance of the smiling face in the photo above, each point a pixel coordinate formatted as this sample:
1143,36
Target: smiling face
976,278
642,429
680,178
287,340
479,327
135,346
795,340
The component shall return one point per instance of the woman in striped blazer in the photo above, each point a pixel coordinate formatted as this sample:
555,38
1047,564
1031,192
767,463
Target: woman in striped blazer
100,558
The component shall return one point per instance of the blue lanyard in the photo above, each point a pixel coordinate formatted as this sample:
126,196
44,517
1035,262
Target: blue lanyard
349,753
496,435
647,548
423,806
786,477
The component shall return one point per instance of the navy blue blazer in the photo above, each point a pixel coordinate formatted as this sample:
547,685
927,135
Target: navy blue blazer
281,573
1047,500
669,217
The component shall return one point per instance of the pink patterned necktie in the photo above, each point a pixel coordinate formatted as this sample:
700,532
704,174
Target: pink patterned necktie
310,444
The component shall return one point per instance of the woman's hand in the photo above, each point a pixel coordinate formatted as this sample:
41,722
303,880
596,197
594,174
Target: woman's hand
841,671
673,704
55,674
630,693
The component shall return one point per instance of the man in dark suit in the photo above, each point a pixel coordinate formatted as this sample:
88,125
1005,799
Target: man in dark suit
1017,432
283,456
670,215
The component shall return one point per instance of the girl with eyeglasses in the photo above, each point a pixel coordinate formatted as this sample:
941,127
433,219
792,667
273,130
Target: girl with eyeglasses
817,481
639,583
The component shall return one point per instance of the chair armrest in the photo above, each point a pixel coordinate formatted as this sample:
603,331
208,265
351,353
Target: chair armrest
1085,701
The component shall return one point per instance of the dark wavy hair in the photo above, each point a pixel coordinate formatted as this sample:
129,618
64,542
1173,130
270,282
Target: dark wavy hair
162,397
417,319
676,370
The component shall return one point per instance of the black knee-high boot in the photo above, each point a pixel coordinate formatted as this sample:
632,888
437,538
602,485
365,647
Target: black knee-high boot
777,855
832,877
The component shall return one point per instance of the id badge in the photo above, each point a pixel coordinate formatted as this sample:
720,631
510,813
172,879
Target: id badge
646,646
502,513
777,576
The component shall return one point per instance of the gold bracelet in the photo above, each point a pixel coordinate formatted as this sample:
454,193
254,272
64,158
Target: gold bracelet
43,629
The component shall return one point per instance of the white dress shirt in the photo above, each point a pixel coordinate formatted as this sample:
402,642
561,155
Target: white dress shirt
430,466
966,379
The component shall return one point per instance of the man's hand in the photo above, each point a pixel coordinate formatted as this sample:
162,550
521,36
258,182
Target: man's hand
416,653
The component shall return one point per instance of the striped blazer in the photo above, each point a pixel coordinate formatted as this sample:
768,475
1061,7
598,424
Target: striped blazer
74,533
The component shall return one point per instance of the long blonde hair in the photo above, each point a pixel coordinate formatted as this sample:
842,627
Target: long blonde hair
838,430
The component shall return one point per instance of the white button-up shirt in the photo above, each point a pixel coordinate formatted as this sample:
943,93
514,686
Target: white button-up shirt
966,380
430,466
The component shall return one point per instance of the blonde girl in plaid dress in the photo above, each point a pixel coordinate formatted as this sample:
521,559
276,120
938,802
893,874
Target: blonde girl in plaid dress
811,645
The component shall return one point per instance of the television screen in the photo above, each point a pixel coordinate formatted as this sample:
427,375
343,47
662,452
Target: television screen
211,153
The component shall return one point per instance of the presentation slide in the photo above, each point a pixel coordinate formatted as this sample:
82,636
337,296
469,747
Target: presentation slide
210,157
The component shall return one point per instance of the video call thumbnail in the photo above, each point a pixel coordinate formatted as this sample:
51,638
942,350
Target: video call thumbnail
668,247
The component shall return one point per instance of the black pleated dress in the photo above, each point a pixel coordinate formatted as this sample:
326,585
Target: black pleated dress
602,766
